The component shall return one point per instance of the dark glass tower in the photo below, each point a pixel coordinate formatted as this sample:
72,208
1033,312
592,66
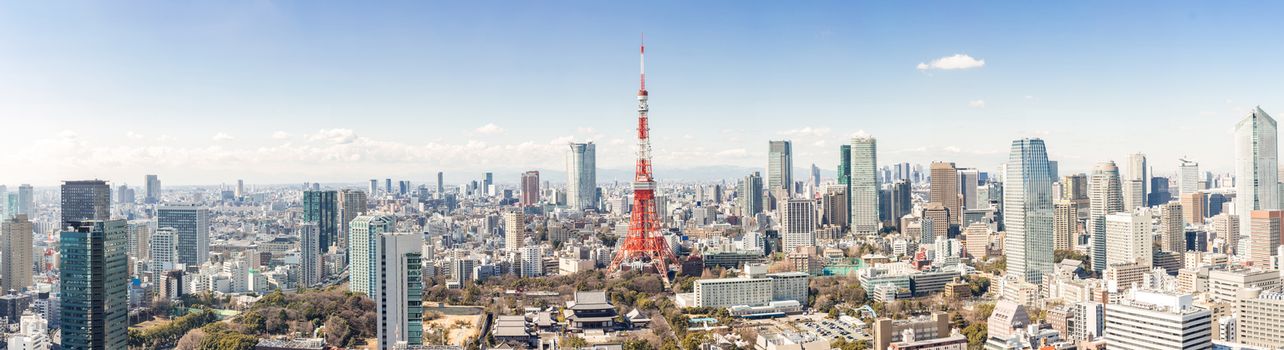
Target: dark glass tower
95,305
322,207
85,200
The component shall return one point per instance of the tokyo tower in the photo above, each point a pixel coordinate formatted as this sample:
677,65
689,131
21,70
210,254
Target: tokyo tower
645,247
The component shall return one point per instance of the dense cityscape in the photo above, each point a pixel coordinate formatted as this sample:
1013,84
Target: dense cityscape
871,249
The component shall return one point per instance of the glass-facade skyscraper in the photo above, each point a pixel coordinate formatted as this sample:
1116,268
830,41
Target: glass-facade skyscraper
85,200
193,228
780,166
1027,209
581,176
93,275
322,207
864,186
1105,197
1256,166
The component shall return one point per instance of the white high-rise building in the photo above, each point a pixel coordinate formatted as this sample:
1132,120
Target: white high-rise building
1129,238
514,229
309,254
780,167
1188,177
799,225
1027,208
164,251
865,189
1256,165
1158,321
363,259
399,289
581,176
1105,197
1139,173
33,334
531,259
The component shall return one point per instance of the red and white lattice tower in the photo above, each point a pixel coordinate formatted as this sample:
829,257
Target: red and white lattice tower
645,245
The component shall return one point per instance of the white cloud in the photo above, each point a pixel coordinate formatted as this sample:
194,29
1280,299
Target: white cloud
860,133
222,136
335,136
489,128
734,152
807,132
976,103
957,61
133,135
280,135
584,130
952,149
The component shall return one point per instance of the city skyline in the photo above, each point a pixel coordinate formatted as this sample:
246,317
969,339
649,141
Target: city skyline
270,93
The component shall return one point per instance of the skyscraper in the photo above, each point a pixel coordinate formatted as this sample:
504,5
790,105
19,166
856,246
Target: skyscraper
26,201
514,230
1065,224
968,181
15,249
1139,171
1106,198
441,183
363,252
152,187
581,176
240,188
799,225
751,195
902,202
1133,194
1265,235
1027,208
85,200
94,272
193,227
374,187
1188,176
322,207
780,168
1256,166
309,254
399,290
352,203
1128,238
163,250
530,188
864,186
1172,228
1193,207
945,189
845,167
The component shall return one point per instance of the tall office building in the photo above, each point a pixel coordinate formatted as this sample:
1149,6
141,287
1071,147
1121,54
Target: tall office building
140,236
514,230
1193,207
902,202
163,249
1160,192
936,223
845,167
399,287
944,189
124,195
1075,188
581,176
780,168
374,187
1106,198
1256,166
193,226
15,249
152,189
322,207
441,183
240,188
1065,224
1172,228
1139,172
352,203
1188,176
1264,235
26,201
387,186
93,275
798,227
751,195
1027,208
85,200
1133,194
310,273
1128,238
530,188
864,186
1259,319
363,251
969,179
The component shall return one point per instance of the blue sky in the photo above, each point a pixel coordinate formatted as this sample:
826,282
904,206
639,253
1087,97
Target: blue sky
282,92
